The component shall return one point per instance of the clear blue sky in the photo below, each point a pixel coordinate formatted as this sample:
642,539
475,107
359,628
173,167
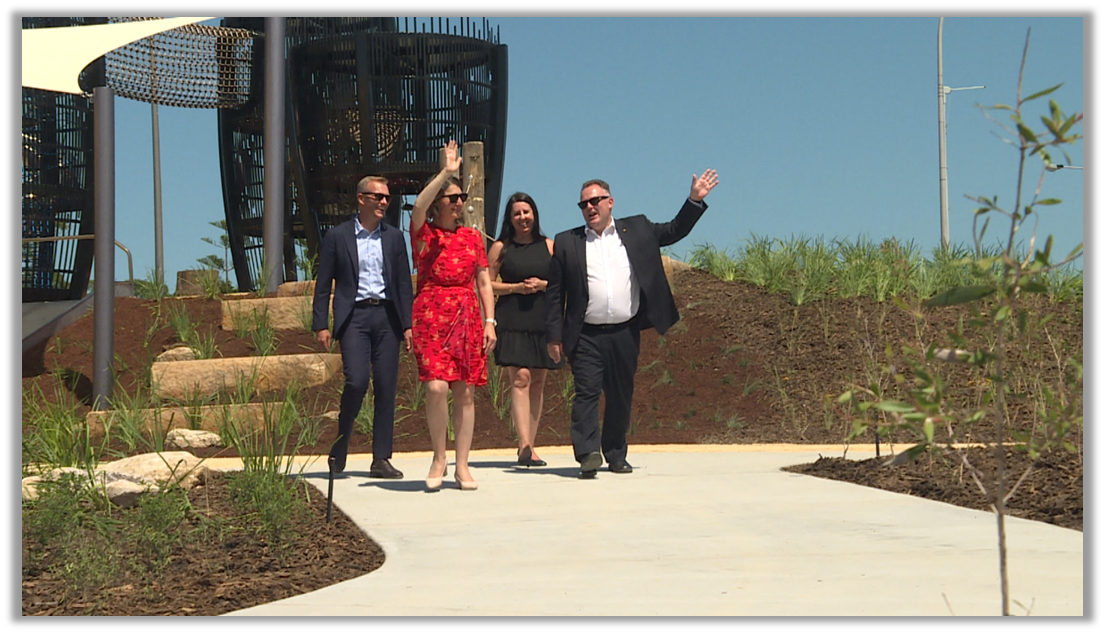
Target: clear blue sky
817,126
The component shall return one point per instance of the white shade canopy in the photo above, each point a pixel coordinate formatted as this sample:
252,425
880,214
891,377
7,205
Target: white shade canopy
53,58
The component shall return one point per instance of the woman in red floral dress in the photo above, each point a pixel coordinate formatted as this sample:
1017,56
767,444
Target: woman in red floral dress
451,338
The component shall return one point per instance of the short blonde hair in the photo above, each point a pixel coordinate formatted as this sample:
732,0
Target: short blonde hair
362,184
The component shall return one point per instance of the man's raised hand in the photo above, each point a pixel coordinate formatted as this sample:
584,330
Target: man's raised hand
702,186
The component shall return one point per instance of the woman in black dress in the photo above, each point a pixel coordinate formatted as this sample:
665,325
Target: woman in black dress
519,262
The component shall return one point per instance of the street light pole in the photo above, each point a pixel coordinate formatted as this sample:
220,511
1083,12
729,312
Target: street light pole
942,98
945,237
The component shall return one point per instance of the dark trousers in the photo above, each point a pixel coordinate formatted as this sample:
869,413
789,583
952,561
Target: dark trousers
604,361
369,346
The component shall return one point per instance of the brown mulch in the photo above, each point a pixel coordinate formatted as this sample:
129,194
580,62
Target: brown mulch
229,569
743,366
1052,492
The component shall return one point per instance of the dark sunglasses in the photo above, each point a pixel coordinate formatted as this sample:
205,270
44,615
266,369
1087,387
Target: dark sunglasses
376,197
593,201
453,197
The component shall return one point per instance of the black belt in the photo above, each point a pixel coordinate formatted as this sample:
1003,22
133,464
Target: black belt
605,327
370,302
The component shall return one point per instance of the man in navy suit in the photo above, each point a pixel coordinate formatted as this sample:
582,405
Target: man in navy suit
366,259
606,284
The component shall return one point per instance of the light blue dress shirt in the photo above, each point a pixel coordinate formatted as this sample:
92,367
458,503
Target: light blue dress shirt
370,266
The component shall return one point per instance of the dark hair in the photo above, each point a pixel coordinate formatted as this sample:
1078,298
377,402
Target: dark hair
506,233
452,180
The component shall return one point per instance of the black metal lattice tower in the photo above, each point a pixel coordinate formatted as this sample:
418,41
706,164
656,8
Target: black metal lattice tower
57,185
364,96
193,66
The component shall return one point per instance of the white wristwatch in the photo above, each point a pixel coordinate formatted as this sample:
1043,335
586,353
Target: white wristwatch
493,322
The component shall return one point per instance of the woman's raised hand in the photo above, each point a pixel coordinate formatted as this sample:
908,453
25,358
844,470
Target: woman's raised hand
452,157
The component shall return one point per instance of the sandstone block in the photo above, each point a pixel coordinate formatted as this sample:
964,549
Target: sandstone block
181,352
284,313
297,289
187,438
205,418
125,493
165,468
182,380
111,482
191,283
30,487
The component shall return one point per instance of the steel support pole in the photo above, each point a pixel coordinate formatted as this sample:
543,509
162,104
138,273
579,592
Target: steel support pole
158,245
103,302
275,156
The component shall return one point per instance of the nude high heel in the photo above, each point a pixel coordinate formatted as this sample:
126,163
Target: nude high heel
465,485
434,483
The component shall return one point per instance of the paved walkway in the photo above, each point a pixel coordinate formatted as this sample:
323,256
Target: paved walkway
693,531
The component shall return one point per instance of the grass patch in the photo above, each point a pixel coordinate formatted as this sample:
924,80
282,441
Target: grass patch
807,269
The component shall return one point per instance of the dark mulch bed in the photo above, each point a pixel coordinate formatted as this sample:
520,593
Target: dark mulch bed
1051,493
228,570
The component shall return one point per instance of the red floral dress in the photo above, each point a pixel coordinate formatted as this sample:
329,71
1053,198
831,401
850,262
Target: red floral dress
447,323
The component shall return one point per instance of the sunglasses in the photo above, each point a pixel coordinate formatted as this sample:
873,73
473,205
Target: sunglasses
453,197
592,201
375,197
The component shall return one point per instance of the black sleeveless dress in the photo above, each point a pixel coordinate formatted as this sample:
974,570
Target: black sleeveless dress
521,317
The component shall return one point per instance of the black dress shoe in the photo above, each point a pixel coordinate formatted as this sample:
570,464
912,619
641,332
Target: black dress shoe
382,469
622,467
525,458
336,463
589,465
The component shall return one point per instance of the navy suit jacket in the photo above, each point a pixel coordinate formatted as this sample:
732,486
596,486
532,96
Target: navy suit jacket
338,263
566,295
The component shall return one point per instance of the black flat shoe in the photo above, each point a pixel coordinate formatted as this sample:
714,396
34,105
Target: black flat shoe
525,458
622,467
589,465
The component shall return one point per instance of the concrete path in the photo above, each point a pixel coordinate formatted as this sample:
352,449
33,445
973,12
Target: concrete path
693,531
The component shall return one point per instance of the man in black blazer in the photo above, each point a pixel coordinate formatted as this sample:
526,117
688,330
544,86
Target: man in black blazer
606,284
366,259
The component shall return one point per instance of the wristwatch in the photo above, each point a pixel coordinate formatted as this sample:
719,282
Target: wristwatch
493,322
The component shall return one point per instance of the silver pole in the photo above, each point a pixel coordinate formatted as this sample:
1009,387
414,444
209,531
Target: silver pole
103,302
275,156
942,95
159,253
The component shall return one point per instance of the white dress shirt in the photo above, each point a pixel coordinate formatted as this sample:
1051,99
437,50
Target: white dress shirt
370,263
613,291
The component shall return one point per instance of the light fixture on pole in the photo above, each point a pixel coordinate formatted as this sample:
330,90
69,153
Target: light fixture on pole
942,97
1052,167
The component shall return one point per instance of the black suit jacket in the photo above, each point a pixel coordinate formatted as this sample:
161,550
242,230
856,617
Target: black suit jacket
566,296
337,263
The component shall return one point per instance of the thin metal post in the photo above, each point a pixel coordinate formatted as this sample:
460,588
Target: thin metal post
158,246
942,96
103,302
275,156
